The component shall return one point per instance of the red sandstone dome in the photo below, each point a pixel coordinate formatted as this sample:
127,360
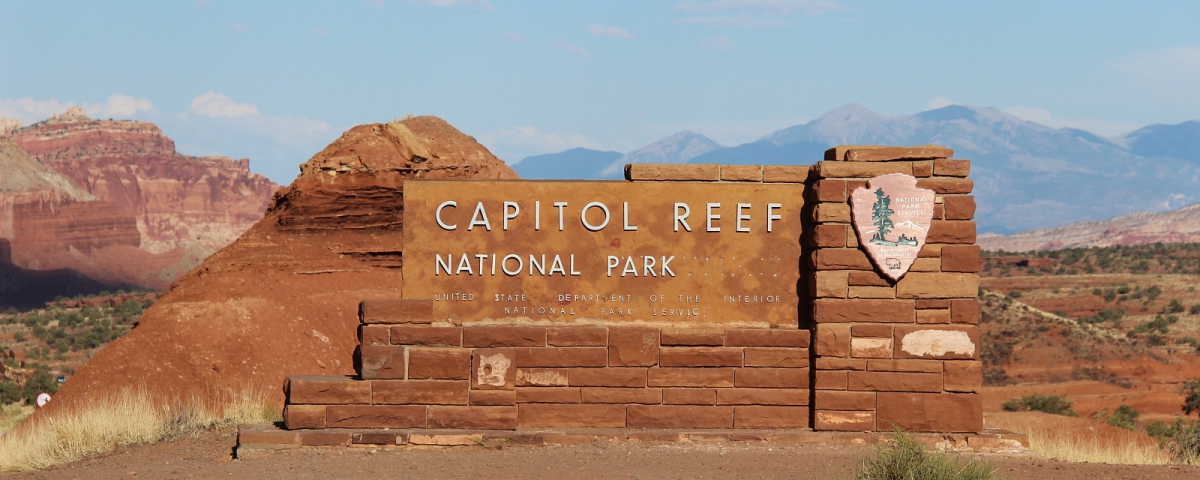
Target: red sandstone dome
282,299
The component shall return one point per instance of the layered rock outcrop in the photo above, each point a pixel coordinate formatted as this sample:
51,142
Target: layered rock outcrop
187,207
1139,228
282,299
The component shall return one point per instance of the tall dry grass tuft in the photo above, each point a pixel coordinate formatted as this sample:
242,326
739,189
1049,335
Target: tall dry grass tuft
1076,441
127,417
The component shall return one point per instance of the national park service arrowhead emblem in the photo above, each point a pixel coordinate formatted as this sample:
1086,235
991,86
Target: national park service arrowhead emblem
892,218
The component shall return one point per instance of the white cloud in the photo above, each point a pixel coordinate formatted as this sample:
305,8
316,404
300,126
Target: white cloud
1044,117
218,105
718,43
783,7
736,21
572,48
939,102
455,3
517,143
609,31
1167,77
118,105
516,37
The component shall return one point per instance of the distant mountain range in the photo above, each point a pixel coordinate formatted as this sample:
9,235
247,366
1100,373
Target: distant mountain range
1027,175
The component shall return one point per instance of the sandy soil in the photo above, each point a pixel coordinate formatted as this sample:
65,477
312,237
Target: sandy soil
209,456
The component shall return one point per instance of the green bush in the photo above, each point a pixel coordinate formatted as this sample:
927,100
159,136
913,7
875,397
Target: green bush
9,393
1124,417
1191,396
1194,309
1181,438
40,382
1053,404
904,458
1014,294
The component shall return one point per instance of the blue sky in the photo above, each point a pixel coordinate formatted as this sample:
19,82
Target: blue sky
276,81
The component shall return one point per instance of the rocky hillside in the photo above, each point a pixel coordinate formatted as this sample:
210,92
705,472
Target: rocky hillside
283,299
1177,226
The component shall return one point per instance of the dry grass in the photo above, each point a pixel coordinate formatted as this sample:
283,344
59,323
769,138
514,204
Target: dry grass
127,417
1073,440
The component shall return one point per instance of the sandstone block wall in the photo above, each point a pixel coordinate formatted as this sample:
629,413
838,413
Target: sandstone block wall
886,353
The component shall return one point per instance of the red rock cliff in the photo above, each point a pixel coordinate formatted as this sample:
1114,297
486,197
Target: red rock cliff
184,207
283,299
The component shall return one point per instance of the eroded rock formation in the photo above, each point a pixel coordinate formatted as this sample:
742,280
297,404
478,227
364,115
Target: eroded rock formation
282,299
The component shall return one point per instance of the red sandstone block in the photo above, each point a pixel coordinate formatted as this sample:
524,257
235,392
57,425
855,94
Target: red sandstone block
376,416
828,235
741,173
487,418
964,311
951,168
844,421
930,250
370,438
375,335
951,231
769,418
758,337
939,212
381,361
872,331
960,258
833,310
933,316
324,438
577,336
831,213
776,357
841,259
828,284
396,311
785,173
666,172
693,338
830,191
839,400
562,357
833,340
762,396
837,363
547,395
412,335
690,377
862,170
487,336
963,376
700,357
931,304
608,377
570,416
932,412
248,434
943,342
867,279
937,285
332,390
493,397
493,369
304,416
632,347
895,382
918,366
830,379
421,392
959,207
770,377
945,185
439,363
543,377
689,396
679,416
922,169
649,396
873,153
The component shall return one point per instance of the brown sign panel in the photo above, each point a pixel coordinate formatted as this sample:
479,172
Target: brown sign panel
609,252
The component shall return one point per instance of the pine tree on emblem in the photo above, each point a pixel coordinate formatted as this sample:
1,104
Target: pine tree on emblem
881,216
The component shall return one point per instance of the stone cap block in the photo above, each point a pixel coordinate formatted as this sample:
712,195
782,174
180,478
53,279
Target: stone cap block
741,173
879,153
396,311
672,172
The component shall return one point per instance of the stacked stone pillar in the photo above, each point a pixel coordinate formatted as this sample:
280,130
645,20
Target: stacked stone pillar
894,354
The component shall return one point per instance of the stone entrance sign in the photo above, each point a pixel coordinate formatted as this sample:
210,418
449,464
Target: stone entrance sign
892,218
566,252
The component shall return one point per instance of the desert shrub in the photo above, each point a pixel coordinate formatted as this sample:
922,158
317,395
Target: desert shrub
1194,309
9,393
1153,292
1123,417
40,382
1159,325
1187,340
1191,396
1173,307
1014,294
904,458
1097,292
1181,438
1108,297
19,337
1052,404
